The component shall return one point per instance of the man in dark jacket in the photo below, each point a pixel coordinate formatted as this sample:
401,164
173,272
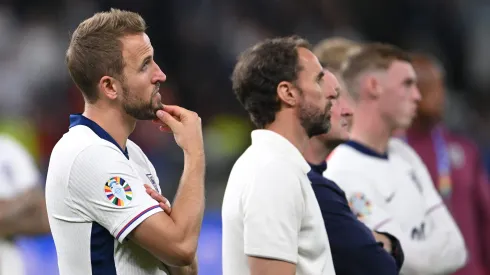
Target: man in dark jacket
355,248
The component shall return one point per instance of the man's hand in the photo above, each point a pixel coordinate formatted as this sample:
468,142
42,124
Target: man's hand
381,238
162,201
185,125
165,205
173,237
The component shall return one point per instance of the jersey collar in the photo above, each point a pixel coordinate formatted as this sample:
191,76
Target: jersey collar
280,145
79,119
319,168
365,150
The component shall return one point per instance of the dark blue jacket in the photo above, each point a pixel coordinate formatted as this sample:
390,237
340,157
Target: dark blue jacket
354,249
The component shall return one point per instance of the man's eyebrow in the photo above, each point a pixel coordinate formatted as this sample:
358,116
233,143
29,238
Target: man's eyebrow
410,81
148,58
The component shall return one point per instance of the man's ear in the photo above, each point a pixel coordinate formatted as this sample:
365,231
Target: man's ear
108,87
370,84
288,94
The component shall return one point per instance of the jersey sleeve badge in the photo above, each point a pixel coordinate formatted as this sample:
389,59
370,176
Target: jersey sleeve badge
360,205
118,191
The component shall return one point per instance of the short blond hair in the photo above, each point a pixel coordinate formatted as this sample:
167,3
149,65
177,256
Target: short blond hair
333,52
95,48
373,56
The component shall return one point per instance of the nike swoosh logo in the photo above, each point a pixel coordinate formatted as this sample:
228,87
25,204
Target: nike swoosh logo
390,197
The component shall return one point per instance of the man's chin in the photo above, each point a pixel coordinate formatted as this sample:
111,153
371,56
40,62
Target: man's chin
318,131
405,124
146,118
152,115
143,116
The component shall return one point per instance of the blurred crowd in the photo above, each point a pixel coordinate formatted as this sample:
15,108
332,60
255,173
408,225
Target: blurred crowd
196,45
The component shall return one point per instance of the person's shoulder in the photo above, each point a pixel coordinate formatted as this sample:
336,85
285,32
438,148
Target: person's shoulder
257,159
396,142
134,147
344,152
317,179
83,147
79,137
17,157
324,186
400,147
345,159
137,155
6,140
135,150
8,144
341,149
96,158
275,173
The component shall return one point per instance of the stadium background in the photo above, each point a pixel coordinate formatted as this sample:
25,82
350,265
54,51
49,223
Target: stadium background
196,44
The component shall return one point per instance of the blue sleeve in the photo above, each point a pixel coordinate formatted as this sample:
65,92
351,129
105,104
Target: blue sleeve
354,249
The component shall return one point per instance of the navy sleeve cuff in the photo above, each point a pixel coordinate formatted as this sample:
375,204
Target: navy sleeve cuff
396,249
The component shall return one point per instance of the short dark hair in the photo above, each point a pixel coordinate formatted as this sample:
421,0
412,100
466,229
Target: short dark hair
373,56
419,58
95,48
259,71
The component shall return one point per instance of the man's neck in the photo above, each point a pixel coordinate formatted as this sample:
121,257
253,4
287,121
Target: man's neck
290,128
316,152
116,124
371,131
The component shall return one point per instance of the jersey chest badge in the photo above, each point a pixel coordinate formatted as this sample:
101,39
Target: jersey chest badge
118,191
360,205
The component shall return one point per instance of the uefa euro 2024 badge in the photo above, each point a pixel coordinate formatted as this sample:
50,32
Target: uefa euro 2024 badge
118,191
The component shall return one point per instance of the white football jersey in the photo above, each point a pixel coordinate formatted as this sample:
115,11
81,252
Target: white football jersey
394,193
95,197
18,174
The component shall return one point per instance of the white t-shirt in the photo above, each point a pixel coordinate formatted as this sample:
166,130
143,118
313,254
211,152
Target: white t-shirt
18,174
394,193
95,197
270,210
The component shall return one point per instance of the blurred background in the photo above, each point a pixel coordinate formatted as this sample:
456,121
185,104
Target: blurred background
196,43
